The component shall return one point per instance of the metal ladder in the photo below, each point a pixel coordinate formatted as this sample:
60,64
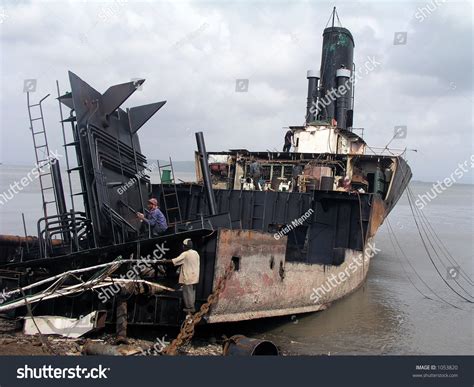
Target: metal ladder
42,155
66,144
177,218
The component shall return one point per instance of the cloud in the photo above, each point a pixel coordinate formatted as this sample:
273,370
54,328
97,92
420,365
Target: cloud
192,53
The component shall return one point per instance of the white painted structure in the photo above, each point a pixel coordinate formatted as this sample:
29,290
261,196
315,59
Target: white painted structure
327,139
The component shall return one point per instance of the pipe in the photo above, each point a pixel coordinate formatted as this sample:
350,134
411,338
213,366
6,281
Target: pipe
93,349
240,345
343,100
59,195
15,240
312,100
90,268
211,200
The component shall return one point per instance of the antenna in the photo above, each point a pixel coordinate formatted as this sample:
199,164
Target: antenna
333,18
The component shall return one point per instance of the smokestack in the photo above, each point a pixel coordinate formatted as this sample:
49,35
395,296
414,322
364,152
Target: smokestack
343,100
313,80
337,53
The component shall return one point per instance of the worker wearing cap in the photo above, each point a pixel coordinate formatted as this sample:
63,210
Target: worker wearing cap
189,275
154,218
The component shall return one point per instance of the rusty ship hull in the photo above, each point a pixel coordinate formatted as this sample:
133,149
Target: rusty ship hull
317,262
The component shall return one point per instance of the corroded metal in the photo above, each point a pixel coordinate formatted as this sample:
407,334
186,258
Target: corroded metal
239,345
258,290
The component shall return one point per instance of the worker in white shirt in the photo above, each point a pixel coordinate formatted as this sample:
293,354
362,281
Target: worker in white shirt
189,275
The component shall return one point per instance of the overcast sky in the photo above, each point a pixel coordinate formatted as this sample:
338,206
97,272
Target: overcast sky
191,54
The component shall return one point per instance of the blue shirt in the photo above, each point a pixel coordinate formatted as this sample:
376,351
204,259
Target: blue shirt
156,220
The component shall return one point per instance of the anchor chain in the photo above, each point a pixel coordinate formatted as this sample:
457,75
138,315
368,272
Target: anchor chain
187,328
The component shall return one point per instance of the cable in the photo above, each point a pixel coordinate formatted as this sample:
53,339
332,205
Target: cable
423,227
42,339
414,270
410,199
428,253
442,246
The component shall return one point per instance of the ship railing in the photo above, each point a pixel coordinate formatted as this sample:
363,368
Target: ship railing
379,151
72,228
119,225
360,130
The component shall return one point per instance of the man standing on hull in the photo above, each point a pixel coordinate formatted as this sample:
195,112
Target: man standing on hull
189,275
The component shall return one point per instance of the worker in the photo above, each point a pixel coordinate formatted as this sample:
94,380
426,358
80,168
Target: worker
255,172
189,275
295,173
288,141
154,218
344,184
248,184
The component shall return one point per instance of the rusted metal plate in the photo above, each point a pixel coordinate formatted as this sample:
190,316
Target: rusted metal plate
377,216
266,285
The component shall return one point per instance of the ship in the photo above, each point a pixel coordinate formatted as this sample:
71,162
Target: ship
297,227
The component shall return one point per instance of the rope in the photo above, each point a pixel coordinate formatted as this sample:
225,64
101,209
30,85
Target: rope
428,252
442,246
392,233
423,227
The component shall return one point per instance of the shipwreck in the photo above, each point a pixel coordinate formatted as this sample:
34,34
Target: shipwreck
310,214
